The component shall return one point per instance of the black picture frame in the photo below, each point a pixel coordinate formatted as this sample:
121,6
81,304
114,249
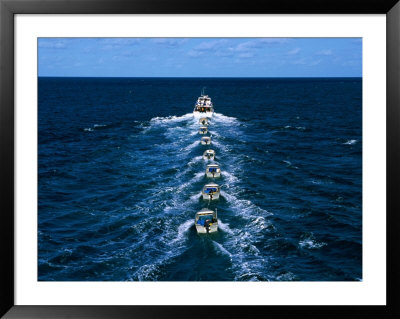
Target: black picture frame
8,8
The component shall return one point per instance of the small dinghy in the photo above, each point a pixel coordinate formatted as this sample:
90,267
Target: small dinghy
203,130
211,191
209,155
206,221
205,140
203,121
213,170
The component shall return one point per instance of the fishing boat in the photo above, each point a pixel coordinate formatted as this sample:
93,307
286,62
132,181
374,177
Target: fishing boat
205,140
203,121
213,170
211,191
203,130
209,155
206,221
203,107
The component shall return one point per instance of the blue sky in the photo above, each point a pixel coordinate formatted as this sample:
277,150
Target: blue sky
200,57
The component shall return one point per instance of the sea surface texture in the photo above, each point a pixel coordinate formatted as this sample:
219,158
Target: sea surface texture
120,173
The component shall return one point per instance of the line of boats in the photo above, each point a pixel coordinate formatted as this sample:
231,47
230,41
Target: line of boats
206,220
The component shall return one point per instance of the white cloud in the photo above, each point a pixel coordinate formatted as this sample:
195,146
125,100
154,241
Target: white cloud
294,51
195,53
246,55
275,40
301,61
211,45
117,43
324,52
316,62
352,63
169,42
52,44
228,52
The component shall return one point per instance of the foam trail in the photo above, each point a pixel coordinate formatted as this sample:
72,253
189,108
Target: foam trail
245,207
191,146
198,176
195,197
182,231
350,142
225,227
213,141
309,242
225,119
195,160
171,119
221,249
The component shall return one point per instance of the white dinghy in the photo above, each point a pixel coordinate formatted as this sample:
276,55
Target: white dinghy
213,170
209,155
211,191
203,130
206,221
205,140
203,121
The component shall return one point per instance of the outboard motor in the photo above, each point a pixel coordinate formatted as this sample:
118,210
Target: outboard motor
207,225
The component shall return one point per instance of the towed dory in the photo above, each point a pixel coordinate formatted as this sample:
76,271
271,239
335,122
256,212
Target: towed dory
203,121
203,130
213,170
211,191
206,221
209,155
205,140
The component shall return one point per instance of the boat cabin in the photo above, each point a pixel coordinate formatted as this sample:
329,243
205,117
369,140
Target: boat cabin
204,106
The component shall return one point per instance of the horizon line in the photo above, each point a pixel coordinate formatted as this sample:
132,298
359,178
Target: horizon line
200,77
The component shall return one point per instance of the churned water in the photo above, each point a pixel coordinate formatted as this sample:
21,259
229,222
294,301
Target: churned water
121,172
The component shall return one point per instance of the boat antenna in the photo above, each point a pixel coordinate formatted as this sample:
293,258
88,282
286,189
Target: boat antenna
202,91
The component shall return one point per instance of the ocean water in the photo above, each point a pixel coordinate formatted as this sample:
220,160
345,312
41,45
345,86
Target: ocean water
120,174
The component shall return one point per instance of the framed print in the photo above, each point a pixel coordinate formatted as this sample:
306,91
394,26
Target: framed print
162,160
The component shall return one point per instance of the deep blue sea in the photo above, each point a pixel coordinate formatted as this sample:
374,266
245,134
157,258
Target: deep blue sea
121,171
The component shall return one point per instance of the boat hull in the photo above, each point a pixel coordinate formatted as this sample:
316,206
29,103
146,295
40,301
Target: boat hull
202,230
207,196
218,174
211,158
205,142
